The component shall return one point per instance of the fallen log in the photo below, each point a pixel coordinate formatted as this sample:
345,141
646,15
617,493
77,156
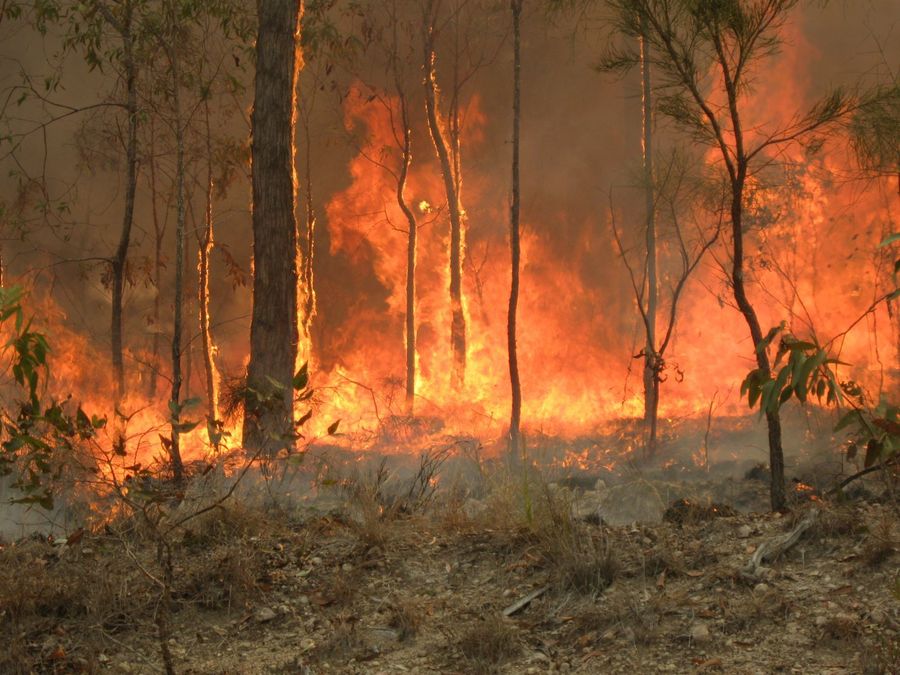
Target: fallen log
776,547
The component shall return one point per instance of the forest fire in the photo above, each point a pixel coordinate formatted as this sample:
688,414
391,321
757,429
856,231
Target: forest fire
449,336
813,232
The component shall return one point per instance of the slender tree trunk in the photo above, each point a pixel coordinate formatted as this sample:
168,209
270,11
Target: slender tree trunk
515,441
773,418
120,258
273,328
435,127
308,248
412,226
158,235
651,357
204,250
177,328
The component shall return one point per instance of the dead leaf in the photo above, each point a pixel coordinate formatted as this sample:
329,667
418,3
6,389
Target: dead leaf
708,663
75,537
661,580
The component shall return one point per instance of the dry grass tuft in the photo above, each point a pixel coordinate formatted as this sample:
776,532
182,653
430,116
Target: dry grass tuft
579,558
841,628
748,610
44,592
488,643
405,617
344,639
687,512
223,579
835,520
880,543
882,658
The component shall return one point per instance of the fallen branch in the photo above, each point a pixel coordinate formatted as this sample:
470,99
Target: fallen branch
523,602
777,546
859,474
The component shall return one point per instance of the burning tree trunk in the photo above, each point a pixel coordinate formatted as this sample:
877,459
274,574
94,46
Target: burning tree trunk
308,247
651,356
120,259
268,419
440,140
204,250
405,159
515,386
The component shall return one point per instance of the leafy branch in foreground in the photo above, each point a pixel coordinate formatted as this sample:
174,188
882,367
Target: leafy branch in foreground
804,369
41,438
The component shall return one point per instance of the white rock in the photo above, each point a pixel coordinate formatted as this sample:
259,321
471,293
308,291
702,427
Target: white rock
700,633
264,614
744,531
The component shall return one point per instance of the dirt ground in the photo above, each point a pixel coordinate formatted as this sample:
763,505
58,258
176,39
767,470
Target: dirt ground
370,587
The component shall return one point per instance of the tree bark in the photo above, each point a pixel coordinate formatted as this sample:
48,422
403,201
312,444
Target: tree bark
159,231
308,248
273,328
175,399
515,441
773,418
119,260
435,127
204,250
651,356
412,225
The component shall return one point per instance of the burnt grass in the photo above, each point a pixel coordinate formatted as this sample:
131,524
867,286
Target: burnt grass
366,587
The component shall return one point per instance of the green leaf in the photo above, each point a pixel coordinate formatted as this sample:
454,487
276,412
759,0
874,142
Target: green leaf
301,379
873,452
185,427
890,239
802,383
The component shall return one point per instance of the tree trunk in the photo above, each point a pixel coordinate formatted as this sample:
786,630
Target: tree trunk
515,444
204,250
273,328
308,249
159,231
175,399
435,127
120,258
773,419
651,357
405,160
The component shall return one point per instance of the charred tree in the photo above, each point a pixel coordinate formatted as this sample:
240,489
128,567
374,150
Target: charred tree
412,234
268,418
205,245
308,246
515,441
180,211
440,139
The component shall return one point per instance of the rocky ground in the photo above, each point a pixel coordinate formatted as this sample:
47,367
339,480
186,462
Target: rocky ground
522,579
